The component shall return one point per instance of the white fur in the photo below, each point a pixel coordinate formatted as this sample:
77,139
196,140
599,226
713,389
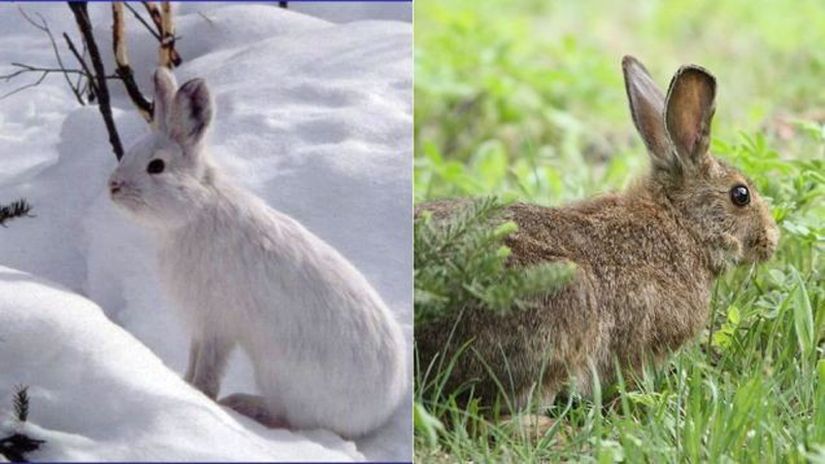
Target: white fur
326,350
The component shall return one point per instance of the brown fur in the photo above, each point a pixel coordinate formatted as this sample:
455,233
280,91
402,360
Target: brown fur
645,260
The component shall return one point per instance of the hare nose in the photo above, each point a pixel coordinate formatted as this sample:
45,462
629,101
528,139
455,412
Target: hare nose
115,185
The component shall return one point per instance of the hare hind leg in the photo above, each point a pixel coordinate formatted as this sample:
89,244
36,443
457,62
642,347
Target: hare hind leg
255,407
194,350
207,364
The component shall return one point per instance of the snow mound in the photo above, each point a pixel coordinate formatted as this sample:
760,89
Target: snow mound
99,394
314,117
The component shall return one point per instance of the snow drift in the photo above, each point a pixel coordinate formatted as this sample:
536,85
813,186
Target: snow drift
98,394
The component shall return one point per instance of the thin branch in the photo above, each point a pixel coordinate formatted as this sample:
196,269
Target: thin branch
27,86
44,26
80,81
82,60
44,72
143,105
206,18
142,21
154,13
29,68
88,85
82,17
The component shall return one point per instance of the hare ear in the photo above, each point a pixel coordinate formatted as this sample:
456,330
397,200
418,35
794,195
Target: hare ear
647,107
690,107
191,113
165,86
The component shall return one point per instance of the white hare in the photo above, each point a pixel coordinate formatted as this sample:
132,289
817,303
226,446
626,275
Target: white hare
327,352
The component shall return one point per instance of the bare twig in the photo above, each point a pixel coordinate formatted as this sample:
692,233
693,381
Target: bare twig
88,87
142,21
43,71
44,26
25,68
82,18
207,18
27,86
81,59
154,13
123,70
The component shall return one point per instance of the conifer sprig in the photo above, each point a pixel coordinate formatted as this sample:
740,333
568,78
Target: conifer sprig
463,260
15,446
21,402
15,209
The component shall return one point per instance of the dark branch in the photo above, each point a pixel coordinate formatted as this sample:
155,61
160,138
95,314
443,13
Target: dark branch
154,13
82,61
82,18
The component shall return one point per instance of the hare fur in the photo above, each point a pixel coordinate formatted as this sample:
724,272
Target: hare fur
326,350
645,259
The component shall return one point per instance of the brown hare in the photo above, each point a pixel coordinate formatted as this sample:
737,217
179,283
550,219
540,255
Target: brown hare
645,259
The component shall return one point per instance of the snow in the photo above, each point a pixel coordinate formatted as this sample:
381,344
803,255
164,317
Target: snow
98,394
354,11
315,117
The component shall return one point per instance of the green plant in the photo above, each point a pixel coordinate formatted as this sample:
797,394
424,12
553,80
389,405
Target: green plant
516,100
462,260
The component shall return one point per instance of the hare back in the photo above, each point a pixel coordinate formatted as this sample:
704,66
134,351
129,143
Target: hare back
308,319
640,290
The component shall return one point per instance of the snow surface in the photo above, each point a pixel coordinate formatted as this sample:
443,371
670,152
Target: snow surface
98,394
355,11
315,117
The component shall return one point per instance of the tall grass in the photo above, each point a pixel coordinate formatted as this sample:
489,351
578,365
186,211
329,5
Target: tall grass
524,99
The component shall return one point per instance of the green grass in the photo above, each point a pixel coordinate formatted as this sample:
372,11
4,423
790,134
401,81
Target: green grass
525,100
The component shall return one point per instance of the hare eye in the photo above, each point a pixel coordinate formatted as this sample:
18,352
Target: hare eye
740,196
155,166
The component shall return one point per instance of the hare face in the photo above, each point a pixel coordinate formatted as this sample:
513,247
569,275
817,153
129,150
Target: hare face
164,179
729,214
716,202
156,183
